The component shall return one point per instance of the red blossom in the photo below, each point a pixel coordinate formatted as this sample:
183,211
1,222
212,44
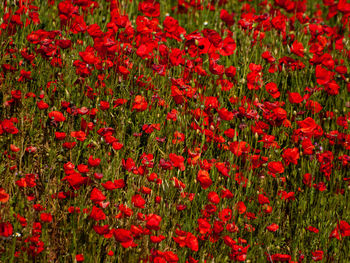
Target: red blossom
138,201
150,8
204,179
153,222
4,197
57,116
275,167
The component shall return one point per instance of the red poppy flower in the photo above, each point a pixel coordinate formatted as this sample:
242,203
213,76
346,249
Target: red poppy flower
56,116
60,135
140,103
94,162
239,148
312,229
78,25
254,77
124,237
342,230
203,225
294,97
226,17
298,49
172,28
332,88
109,185
272,89
79,257
101,230
97,195
225,114
313,106
273,227
275,167
204,179
228,46
88,56
157,239
178,184
240,206
231,133
83,168
215,68
153,222
323,76
291,155
6,229
263,199
75,180
97,214
69,145
177,161
150,8
279,23
225,214
4,197
279,258
213,197
308,147
119,102
186,239
230,71
117,145
46,217
138,201
42,105
317,255
64,43
225,193
309,128
222,168
104,105
128,164
268,57
25,75
79,135
287,195
176,57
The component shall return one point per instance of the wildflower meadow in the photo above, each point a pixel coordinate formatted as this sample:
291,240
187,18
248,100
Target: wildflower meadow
174,131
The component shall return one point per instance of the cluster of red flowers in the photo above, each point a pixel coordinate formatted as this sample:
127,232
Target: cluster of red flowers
142,122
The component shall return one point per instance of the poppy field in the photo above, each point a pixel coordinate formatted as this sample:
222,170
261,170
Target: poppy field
174,131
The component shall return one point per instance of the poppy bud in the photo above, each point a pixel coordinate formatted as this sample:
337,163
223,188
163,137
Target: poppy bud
256,135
